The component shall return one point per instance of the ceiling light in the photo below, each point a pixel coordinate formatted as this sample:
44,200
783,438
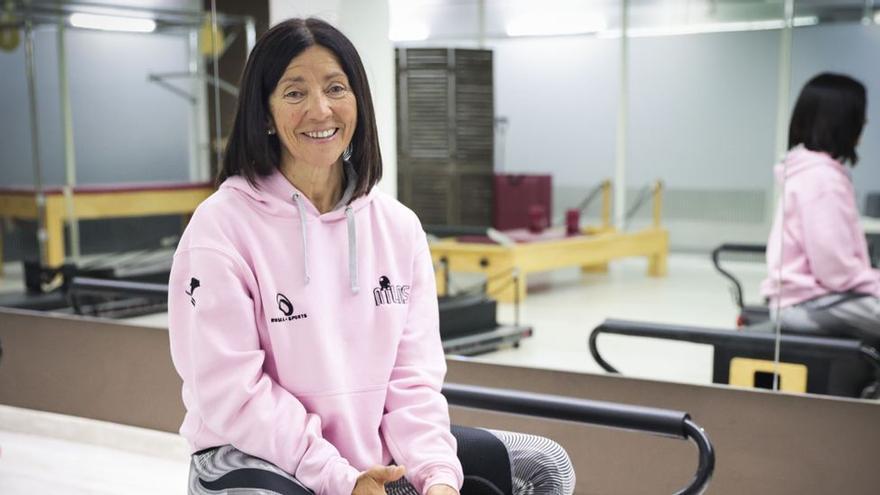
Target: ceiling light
113,23
557,25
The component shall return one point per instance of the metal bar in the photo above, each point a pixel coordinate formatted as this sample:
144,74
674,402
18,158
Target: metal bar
69,150
216,59
35,137
763,342
606,204
735,248
86,285
622,122
170,87
665,422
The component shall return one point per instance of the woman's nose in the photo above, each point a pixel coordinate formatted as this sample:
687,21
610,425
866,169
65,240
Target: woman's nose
319,105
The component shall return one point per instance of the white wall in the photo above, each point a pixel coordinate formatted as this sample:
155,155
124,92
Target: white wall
702,118
365,22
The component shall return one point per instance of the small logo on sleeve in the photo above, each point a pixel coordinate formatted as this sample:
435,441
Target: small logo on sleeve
193,285
286,308
387,293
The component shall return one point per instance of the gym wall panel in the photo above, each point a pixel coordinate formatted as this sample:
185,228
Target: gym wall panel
765,442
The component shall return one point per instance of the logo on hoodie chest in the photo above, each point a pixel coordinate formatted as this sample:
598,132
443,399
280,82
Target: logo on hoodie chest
388,293
285,307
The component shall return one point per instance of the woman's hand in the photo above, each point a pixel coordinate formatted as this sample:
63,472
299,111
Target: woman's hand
372,481
442,490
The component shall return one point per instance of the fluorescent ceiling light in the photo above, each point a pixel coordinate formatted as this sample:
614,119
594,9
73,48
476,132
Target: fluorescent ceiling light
409,31
113,23
714,27
557,25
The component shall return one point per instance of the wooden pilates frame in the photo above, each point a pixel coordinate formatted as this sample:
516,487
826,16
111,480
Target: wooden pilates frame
96,202
591,251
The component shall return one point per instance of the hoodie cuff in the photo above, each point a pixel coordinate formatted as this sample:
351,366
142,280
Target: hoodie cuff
441,476
341,480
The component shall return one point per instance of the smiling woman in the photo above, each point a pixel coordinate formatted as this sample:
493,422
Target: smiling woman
314,115
321,85
294,379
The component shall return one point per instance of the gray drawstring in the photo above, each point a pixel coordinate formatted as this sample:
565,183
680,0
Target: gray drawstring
305,243
352,250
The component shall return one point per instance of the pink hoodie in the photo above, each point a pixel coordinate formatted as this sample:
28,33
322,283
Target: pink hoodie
310,340
823,245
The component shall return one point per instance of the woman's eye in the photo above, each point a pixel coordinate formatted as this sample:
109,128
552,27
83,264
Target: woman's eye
294,94
336,90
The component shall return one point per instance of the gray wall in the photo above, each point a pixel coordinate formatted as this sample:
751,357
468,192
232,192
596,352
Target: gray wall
126,129
852,49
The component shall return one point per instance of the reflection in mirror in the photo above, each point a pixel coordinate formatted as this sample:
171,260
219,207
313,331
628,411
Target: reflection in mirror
116,147
655,143
821,281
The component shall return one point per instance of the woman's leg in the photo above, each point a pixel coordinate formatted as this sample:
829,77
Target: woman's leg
845,314
539,465
505,463
229,470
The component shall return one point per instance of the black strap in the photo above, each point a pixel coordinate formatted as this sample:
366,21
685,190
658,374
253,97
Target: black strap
255,479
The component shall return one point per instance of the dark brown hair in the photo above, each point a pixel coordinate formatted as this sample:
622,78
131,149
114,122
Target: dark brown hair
829,116
250,151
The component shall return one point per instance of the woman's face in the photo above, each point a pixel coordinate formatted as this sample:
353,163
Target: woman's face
314,110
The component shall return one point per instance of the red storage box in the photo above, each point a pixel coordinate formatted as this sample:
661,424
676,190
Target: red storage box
516,194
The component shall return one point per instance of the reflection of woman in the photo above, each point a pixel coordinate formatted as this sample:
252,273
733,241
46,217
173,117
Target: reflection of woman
817,256
303,311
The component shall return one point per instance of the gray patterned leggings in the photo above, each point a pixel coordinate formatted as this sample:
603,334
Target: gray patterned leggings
538,465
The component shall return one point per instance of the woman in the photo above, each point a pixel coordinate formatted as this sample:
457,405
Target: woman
819,271
302,305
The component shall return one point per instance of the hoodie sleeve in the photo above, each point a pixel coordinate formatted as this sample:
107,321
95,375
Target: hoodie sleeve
830,228
416,421
216,349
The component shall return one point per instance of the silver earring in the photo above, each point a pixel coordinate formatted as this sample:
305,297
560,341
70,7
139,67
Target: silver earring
270,132
346,155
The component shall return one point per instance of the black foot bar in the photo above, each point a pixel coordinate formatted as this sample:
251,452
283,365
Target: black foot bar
765,342
665,422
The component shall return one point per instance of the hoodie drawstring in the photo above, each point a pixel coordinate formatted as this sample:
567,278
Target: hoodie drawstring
352,244
305,243
352,250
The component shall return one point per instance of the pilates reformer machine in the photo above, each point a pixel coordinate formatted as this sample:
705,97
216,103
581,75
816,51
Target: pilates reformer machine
663,422
819,365
492,253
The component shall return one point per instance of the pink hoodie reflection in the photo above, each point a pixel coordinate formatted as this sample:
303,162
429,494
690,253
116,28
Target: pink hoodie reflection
823,247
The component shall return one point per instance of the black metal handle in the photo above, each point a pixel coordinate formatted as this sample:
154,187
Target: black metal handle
765,342
664,422
86,285
735,248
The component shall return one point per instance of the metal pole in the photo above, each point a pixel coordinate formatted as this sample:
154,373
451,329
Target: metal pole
781,148
35,136
69,150
622,115
481,15
216,60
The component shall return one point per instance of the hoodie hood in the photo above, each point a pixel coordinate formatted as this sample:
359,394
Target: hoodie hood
276,196
800,159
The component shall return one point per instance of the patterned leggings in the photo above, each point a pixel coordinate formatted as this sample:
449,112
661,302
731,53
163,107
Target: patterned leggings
538,465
